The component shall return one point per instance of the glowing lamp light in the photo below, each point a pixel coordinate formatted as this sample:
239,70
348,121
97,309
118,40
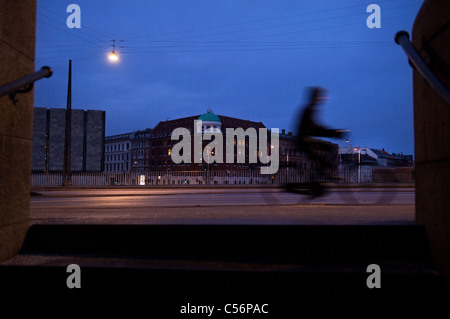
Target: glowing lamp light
113,57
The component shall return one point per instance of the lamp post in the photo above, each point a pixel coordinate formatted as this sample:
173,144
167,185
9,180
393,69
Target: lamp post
359,163
66,178
340,153
67,165
207,165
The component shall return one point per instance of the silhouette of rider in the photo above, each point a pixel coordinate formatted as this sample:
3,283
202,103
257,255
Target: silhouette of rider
308,128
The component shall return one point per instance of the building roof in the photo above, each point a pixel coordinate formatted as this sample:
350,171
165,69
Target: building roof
379,153
118,137
209,117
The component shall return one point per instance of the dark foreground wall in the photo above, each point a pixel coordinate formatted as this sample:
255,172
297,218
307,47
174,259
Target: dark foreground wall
17,43
431,37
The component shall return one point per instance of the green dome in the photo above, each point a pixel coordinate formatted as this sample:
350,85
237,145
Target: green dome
209,117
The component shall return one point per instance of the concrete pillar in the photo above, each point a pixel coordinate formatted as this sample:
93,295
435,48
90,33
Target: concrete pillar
17,45
431,37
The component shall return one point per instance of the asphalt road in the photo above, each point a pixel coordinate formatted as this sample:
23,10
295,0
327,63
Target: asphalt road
240,205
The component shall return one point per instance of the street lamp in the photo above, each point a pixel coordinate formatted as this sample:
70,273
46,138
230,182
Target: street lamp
359,163
340,152
67,163
112,56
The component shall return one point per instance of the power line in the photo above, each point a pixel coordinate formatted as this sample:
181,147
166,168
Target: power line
209,28
67,32
198,45
84,25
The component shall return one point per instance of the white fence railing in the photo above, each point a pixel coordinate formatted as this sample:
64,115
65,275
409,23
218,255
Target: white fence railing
178,178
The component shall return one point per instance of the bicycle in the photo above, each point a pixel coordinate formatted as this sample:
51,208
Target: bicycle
353,185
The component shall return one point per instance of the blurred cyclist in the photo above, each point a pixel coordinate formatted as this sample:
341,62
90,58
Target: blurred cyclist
308,128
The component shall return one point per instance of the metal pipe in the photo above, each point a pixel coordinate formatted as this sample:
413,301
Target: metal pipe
44,72
402,39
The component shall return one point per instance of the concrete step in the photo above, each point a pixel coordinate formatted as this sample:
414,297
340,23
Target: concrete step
274,243
37,275
231,260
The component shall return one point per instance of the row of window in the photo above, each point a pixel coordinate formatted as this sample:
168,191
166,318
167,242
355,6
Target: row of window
140,144
125,146
117,147
139,163
116,157
124,156
116,167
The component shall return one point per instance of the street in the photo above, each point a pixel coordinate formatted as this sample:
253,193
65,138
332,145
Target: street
230,205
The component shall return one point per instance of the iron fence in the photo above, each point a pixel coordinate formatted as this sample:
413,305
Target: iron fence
178,178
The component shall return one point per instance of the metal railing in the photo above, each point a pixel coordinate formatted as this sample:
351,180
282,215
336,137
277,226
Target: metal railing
179,178
402,39
25,84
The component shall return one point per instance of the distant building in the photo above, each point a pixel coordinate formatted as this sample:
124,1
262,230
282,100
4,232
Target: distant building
87,140
381,157
370,156
151,149
140,145
292,158
127,152
117,153
398,160
161,143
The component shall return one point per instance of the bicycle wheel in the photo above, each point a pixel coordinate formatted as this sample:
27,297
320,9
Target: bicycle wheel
292,193
355,190
273,196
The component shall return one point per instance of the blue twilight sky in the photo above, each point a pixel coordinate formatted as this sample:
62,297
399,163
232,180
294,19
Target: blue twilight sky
243,58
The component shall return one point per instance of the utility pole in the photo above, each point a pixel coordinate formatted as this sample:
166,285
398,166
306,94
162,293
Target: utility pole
66,180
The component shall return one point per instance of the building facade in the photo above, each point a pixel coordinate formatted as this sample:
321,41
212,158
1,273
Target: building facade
140,148
162,144
292,158
128,152
369,156
151,150
87,140
118,153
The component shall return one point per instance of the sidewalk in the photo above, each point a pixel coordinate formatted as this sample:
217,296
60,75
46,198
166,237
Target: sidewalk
82,191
